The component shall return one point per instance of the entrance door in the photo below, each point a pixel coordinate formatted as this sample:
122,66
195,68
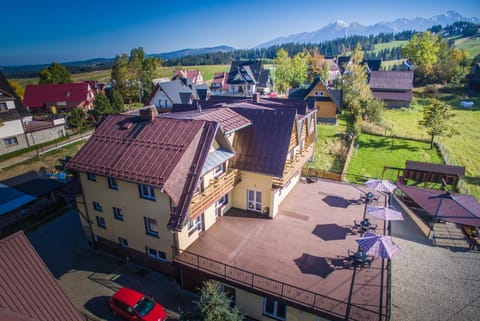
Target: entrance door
254,200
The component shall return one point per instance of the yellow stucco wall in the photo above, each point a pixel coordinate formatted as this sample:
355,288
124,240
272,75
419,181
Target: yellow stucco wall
133,209
255,182
252,305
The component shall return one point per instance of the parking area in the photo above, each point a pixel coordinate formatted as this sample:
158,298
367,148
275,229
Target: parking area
89,277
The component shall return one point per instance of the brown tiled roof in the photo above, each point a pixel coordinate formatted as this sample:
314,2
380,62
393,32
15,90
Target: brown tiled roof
229,120
391,80
263,147
158,153
450,207
392,95
435,168
28,291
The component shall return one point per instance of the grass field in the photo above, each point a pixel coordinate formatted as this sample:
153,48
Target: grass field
388,45
330,149
472,45
208,71
461,149
373,152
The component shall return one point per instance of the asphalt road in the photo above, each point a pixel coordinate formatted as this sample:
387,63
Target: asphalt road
89,277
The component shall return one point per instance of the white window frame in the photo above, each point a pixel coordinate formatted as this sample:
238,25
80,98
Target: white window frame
254,204
97,206
275,309
117,213
10,141
112,183
147,192
123,242
196,224
149,226
219,170
222,201
156,254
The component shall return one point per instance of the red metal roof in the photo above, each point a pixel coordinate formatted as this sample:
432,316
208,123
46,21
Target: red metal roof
435,168
72,94
450,207
391,80
229,120
28,291
157,153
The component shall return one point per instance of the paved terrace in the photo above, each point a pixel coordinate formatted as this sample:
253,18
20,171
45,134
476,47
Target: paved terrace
303,247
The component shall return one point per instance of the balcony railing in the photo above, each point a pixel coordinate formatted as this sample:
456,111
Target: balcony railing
294,165
295,295
216,189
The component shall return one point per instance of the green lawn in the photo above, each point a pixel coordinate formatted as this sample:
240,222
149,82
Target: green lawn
462,149
331,148
373,152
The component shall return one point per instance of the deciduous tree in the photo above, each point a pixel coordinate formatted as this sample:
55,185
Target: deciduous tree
118,105
356,91
76,119
436,117
54,74
282,70
19,90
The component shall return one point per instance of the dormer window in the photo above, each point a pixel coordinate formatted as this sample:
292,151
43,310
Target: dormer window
217,171
68,93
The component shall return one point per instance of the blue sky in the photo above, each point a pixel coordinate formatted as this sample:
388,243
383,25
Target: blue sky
35,31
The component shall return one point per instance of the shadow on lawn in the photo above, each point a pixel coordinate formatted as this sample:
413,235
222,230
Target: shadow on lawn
389,143
474,180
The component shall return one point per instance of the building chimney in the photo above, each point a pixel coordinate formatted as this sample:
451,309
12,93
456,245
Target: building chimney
256,98
196,105
148,113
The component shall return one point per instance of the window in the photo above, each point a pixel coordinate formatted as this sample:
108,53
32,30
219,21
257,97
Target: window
112,183
230,294
156,254
200,187
10,141
117,213
319,93
3,107
254,201
147,192
123,242
101,222
195,224
92,177
274,309
151,226
97,206
220,204
219,170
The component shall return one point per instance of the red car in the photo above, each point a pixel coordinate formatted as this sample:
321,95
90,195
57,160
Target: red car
132,305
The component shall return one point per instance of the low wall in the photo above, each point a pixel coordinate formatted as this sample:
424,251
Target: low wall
421,224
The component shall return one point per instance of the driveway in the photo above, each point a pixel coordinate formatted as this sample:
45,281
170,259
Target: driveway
89,277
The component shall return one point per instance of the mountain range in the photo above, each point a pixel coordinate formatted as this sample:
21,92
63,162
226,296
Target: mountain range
340,29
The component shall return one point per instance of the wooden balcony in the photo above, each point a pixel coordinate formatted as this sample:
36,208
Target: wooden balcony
294,165
216,189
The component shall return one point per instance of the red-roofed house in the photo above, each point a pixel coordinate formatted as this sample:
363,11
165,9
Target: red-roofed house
28,290
153,185
56,97
195,76
393,87
219,85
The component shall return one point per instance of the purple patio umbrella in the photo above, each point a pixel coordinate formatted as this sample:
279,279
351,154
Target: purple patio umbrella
385,213
381,185
378,245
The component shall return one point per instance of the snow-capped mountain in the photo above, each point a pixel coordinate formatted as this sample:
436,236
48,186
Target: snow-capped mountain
340,28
